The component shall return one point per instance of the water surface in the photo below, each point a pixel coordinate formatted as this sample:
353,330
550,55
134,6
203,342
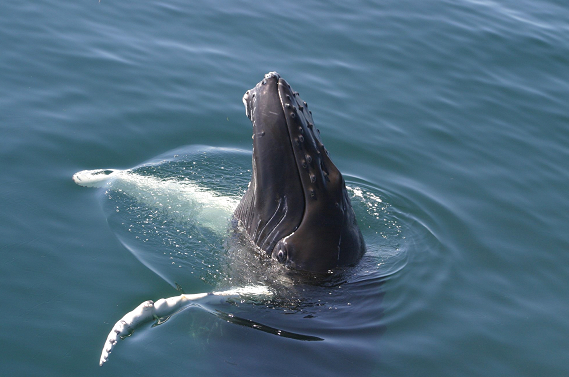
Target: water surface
448,120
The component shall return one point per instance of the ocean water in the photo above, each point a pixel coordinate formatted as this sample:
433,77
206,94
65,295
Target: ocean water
448,119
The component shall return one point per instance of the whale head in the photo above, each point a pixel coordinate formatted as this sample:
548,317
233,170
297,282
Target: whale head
296,208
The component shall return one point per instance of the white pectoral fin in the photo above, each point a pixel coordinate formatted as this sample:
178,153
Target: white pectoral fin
165,307
145,312
95,178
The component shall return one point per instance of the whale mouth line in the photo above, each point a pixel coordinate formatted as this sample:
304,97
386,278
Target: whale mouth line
292,148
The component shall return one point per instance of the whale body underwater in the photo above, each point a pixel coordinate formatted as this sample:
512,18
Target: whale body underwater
296,209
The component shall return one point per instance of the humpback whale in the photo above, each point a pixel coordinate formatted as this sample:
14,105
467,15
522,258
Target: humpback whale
296,209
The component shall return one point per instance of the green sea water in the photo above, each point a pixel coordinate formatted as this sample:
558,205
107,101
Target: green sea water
448,119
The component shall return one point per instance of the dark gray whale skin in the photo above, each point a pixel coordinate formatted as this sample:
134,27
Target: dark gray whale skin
296,208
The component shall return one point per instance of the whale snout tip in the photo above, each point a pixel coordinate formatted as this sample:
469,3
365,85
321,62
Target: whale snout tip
249,96
272,74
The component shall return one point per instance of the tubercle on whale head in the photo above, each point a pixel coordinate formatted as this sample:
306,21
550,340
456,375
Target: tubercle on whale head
296,209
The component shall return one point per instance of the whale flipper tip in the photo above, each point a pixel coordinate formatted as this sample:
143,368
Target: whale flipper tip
94,178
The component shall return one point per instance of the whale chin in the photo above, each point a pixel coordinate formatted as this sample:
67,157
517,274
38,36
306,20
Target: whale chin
296,208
